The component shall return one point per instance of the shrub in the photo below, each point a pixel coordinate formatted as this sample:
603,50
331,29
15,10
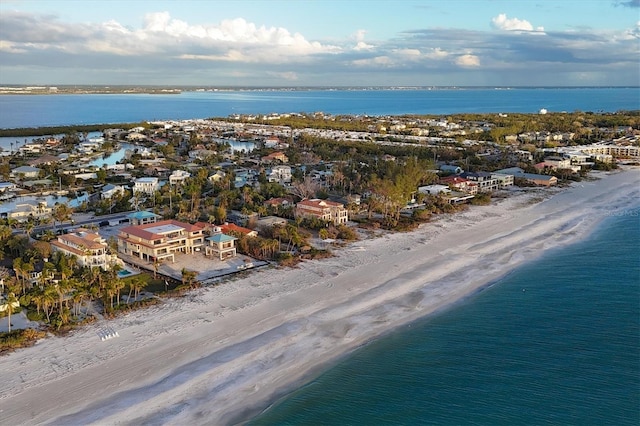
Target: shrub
346,233
19,339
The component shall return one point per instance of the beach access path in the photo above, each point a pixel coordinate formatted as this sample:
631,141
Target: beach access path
223,353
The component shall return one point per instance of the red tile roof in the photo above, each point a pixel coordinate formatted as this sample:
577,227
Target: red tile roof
228,227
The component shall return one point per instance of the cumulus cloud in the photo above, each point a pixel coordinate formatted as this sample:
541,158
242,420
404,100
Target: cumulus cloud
501,22
164,50
160,33
468,61
360,43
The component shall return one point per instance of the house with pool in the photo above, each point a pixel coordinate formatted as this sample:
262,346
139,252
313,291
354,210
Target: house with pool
88,248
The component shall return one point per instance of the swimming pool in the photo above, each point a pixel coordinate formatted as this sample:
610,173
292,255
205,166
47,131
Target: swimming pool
127,272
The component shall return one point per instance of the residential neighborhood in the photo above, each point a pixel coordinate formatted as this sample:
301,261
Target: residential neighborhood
176,204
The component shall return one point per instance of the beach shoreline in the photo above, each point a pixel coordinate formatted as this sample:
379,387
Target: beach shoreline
223,354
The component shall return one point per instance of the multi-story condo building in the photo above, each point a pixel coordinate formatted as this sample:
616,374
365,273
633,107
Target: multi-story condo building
329,211
160,240
485,181
504,181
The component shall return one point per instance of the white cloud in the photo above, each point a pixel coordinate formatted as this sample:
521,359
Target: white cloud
164,49
9,47
436,53
632,33
409,53
378,61
501,22
288,75
468,61
360,43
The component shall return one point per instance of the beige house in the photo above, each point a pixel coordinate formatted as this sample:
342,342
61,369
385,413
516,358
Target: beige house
89,248
160,240
329,211
274,157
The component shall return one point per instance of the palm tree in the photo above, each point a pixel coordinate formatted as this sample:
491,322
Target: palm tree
139,285
4,275
49,301
189,277
156,265
110,290
20,267
62,287
11,301
78,296
28,227
37,297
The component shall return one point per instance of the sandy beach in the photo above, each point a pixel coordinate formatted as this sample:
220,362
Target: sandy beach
222,354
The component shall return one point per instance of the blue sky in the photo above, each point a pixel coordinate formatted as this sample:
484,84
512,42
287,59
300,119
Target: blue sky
321,43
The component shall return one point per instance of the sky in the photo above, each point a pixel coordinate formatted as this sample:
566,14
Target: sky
285,43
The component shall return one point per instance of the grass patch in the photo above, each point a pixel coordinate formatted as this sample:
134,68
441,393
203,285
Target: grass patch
16,339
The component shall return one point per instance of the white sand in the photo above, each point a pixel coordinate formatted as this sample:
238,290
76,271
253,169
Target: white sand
223,353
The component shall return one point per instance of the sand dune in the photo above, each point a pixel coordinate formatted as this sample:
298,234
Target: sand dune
222,354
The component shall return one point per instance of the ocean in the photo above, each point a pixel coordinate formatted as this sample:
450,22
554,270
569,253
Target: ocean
555,342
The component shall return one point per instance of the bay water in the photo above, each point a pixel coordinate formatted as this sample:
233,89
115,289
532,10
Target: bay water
556,342
18,111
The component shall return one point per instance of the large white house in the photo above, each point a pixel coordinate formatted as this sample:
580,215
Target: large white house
89,248
280,174
146,185
178,176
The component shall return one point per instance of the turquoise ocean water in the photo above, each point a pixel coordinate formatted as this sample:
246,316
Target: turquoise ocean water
556,342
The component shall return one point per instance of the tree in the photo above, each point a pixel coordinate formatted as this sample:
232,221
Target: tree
305,189
156,265
4,275
189,277
10,302
43,248
61,213
28,227
22,270
49,298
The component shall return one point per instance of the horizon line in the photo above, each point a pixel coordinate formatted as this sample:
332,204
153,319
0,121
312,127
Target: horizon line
398,87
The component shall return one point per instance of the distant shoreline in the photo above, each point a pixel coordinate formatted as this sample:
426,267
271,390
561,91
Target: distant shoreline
176,90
